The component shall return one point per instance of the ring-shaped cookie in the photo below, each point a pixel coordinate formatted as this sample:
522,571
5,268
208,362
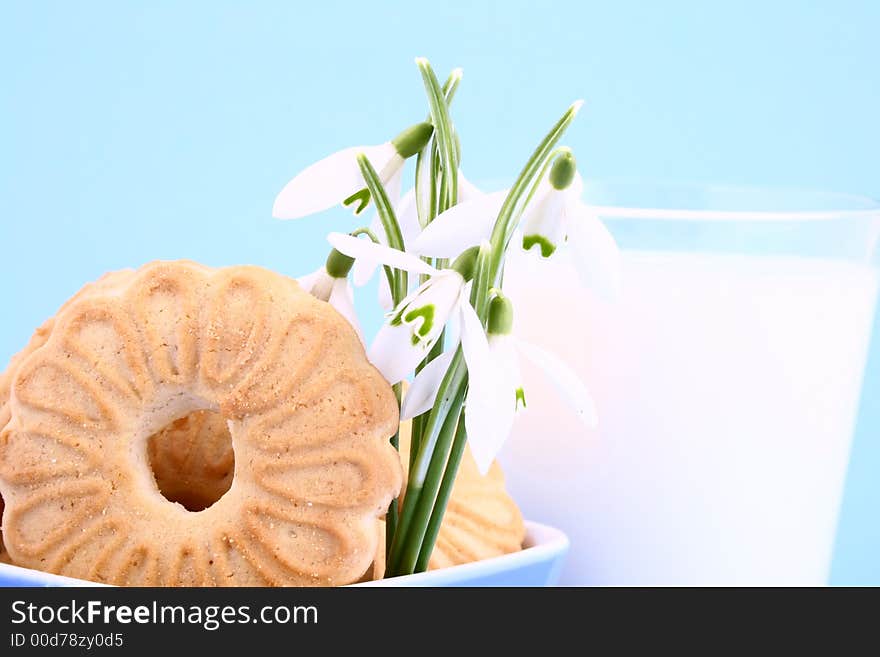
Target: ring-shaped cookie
308,415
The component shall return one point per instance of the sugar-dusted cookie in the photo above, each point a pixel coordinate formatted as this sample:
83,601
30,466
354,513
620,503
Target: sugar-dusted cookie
308,416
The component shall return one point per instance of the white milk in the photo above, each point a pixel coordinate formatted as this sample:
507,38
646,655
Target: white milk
727,388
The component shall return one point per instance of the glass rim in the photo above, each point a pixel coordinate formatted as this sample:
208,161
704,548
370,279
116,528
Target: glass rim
835,205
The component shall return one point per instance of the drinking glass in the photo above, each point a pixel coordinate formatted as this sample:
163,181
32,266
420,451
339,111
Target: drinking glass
727,375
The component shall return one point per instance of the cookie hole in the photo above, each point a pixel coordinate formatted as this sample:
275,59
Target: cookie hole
192,460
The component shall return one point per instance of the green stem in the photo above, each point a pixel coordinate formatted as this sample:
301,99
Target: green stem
455,456
450,396
434,201
421,492
389,223
451,85
363,230
421,210
418,422
449,89
443,132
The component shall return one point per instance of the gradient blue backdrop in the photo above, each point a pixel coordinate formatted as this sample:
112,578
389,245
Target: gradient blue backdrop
131,131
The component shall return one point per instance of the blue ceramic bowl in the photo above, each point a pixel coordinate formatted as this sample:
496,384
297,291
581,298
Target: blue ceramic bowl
537,564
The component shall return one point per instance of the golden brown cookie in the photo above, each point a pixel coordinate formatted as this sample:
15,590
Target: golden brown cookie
309,419
41,335
38,339
481,520
192,459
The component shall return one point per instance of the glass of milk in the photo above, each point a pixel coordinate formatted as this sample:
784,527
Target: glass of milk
727,378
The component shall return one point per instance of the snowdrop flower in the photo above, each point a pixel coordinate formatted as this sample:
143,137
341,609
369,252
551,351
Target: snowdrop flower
415,325
555,218
337,178
330,284
504,353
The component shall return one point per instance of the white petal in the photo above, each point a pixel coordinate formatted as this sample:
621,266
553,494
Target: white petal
342,299
319,284
503,349
394,354
391,176
545,219
489,410
421,394
467,191
328,182
307,282
594,252
453,325
441,295
460,227
386,299
577,185
564,380
379,253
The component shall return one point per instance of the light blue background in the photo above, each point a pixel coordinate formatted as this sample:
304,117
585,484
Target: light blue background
131,131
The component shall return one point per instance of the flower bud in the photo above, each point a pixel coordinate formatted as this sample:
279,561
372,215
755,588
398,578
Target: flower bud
338,264
466,263
413,139
500,316
563,170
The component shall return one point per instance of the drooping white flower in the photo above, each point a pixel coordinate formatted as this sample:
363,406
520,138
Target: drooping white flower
510,395
416,323
554,219
330,284
559,218
337,178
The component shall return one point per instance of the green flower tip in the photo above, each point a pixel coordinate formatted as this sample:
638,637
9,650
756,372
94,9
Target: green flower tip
520,398
466,263
426,314
500,316
547,247
563,170
338,264
360,199
411,316
413,139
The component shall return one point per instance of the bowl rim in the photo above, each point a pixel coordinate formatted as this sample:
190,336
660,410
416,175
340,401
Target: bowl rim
542,543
